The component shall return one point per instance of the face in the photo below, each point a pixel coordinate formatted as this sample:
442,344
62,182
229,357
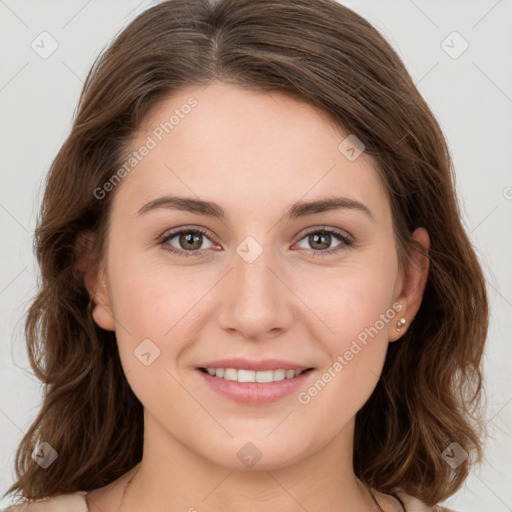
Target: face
259,282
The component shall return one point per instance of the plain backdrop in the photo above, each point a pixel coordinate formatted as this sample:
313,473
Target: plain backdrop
459,55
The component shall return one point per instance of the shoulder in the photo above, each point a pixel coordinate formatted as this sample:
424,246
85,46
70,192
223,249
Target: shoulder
415,505
72,502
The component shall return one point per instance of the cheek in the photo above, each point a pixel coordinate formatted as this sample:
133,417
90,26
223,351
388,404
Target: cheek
151,302
351,298
357,311
150,295
158,318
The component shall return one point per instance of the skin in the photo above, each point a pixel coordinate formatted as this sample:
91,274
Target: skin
254,154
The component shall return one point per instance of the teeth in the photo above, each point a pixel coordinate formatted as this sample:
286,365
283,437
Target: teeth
246,375
253,376
230,374
279,374
264,376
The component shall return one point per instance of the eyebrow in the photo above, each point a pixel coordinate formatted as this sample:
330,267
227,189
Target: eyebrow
211,209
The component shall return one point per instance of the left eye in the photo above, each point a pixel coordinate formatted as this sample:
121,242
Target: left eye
322,238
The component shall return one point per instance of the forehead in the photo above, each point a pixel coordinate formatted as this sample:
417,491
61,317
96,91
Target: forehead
242,147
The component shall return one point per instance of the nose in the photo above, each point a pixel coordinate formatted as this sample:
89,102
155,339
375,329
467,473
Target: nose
256,301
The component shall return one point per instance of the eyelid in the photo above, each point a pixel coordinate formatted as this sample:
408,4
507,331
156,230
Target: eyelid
328,229
169,233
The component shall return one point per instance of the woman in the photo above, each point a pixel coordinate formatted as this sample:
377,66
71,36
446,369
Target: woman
256,288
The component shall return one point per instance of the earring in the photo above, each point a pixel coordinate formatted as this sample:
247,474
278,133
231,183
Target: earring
400,323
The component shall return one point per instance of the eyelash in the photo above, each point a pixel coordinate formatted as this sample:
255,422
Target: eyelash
346,240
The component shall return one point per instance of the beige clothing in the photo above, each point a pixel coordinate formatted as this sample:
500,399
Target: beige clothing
72,502
75,502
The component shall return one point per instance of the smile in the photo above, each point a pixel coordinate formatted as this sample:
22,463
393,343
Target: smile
255,387
243,375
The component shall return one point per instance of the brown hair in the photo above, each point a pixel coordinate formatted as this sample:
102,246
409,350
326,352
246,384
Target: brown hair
321,52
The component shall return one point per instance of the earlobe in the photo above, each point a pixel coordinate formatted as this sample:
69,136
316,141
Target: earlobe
413,284
94,277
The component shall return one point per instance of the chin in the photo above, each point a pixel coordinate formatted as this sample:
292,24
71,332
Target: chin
260,454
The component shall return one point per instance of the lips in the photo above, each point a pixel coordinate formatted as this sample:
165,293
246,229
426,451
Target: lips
261,365
254,382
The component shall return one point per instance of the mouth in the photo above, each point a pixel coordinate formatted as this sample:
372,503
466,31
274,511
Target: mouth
254,382
253,376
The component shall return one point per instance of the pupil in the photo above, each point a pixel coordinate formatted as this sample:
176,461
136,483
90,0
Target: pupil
314,239
189,239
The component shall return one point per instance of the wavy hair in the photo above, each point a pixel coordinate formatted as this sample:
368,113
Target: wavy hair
318,51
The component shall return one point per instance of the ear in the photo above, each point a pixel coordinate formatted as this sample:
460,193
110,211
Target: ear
414,279
95,281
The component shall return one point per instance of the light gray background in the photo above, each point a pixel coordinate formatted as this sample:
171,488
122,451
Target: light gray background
470,95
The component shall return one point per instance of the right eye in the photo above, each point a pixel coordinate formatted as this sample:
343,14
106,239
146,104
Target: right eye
189,241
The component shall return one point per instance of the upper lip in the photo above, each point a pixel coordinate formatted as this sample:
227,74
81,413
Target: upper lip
261,365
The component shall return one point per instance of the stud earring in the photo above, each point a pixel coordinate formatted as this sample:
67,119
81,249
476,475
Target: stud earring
400,323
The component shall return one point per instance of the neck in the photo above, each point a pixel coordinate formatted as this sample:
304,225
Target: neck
176,479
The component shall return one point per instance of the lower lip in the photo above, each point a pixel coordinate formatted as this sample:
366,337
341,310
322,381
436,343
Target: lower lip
255,393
